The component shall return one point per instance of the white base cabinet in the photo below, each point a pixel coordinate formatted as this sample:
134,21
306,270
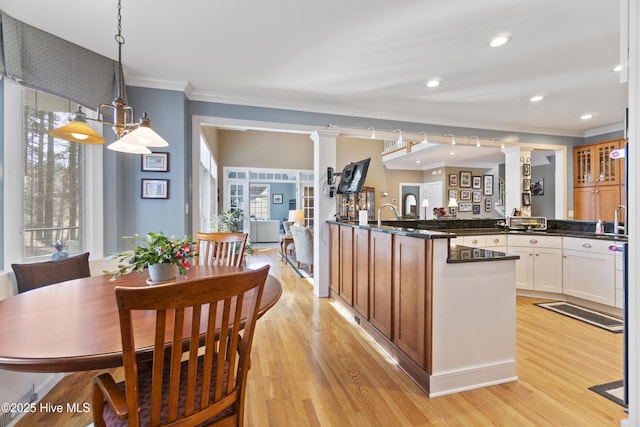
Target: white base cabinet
540,265
589,270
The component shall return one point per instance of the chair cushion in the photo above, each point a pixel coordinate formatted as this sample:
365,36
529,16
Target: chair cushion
144,396
38,274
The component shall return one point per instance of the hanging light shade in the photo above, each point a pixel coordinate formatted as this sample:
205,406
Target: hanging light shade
137,136
78,130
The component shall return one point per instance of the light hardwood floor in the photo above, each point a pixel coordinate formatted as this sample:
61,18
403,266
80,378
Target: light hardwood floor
312,366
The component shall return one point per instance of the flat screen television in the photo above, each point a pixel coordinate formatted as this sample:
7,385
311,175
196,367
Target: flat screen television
353,176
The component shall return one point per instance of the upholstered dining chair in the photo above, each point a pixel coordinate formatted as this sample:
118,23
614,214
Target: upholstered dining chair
38,274
220,248
200,381
303,243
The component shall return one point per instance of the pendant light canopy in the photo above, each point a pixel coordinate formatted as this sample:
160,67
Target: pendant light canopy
132,137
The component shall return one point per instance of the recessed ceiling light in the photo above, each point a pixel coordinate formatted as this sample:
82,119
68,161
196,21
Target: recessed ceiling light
500,40
433,83
586,116
536,98
617,68
417,161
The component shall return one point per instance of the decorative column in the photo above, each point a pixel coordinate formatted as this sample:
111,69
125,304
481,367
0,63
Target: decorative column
324,156
515,197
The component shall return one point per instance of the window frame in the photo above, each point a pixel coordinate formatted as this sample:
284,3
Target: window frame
13,185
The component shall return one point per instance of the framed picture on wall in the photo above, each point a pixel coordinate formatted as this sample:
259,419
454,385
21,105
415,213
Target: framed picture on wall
155,189
453,194
465,195
277,199
537,187
526,169
526,184
453,180
465,179
155,162
464,207
476,209
526,199
477,196
487,205
476,182
488,185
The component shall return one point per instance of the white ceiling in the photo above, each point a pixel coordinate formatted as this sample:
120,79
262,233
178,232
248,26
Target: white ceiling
368,58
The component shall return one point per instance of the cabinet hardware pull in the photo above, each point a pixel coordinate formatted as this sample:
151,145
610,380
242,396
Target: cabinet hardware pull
474,241
586,245
533,241
496,240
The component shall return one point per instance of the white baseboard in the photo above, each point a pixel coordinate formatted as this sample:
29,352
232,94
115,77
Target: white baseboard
441,384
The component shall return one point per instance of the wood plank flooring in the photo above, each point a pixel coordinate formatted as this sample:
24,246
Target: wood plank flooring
312,366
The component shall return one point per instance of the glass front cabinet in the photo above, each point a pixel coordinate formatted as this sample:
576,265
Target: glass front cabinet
348,205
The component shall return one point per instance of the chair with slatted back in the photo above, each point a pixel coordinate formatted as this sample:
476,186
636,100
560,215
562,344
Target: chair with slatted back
196,381
221,248
38,274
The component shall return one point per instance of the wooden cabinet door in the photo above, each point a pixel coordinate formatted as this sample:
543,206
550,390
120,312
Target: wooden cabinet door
584,203
334,260
582,166
346,264
381,282
607,198
410,297
607,170
361,271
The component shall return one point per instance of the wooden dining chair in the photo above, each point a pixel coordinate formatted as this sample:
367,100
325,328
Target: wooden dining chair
199,380
37,274
221,248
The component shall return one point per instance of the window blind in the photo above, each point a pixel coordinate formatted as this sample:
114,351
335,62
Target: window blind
48,63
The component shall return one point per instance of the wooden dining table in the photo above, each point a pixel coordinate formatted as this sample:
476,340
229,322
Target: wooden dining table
74,326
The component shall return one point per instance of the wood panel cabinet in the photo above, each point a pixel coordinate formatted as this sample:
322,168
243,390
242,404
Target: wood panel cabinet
361,271
598,180
346,265
334,258
381,281
410,297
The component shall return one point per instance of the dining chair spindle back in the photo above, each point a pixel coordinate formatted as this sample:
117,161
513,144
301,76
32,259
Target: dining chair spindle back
221,248
198,380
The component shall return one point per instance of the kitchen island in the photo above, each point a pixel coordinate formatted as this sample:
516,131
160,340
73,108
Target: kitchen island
446,315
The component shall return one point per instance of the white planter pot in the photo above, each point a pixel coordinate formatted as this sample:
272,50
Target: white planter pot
159,273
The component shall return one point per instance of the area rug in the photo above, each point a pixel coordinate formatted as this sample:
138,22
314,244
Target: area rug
611,324
613,391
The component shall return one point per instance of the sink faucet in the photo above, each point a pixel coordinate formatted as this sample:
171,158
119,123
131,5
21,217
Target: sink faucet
393,208
616,224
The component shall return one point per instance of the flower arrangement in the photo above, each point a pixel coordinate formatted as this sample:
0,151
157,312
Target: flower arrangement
155,248
439,212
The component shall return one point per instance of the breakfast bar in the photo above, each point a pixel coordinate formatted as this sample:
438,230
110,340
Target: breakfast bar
445,314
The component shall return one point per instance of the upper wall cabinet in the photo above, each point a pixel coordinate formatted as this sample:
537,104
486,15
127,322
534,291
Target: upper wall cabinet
593,165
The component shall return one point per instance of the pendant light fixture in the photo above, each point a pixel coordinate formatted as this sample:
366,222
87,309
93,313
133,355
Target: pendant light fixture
131,137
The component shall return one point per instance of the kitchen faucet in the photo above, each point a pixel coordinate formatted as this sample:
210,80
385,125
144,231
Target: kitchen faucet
616,225
393,208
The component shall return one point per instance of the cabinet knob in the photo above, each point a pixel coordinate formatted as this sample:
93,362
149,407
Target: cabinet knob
586,245
496,240
474,241
533,241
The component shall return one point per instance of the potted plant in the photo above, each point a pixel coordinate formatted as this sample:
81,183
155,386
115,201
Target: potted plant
162,254
231,221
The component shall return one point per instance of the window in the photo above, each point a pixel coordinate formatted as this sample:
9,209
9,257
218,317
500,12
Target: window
59,198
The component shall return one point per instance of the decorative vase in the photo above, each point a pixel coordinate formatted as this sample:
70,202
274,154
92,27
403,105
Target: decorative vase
162,272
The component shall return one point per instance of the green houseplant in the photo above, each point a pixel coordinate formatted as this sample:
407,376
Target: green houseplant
231,221
155,249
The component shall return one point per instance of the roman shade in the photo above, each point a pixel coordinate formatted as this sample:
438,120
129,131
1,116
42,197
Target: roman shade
45,62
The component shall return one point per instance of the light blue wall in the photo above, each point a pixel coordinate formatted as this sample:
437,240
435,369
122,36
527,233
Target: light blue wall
125,211
288,191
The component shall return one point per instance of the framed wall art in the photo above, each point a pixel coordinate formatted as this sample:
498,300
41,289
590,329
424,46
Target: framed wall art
465,179
476,209
526,199
477,196
453,180
155,162
526,169
488,185
465,194
487,205
537,187
277,199
476,182
155,188
453,194
526,184
464,207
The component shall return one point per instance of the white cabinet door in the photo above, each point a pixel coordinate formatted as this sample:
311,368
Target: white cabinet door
524,267
589,275
547,270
